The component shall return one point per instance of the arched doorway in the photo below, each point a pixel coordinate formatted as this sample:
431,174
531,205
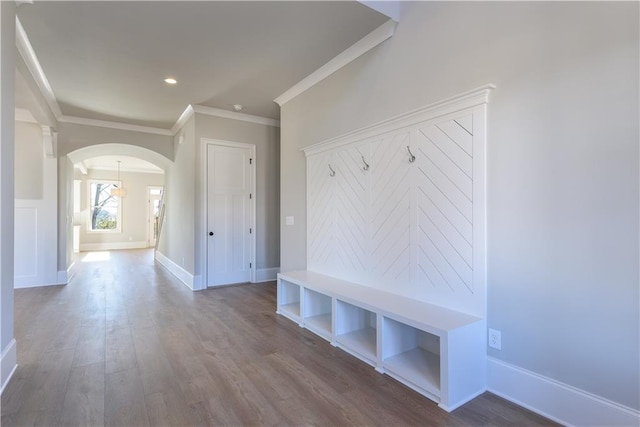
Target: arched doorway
124,224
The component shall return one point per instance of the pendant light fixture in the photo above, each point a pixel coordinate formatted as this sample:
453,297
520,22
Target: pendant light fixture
119,190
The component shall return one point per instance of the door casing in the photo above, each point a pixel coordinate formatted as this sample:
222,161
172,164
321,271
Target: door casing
202,232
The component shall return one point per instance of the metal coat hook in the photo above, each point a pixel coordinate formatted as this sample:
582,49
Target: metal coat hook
412,158
332,173
366,165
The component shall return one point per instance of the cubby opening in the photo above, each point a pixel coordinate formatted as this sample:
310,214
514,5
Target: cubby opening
356,330
289,299
317,312
412,354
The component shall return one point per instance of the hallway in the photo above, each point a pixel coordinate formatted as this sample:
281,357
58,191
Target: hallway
125,343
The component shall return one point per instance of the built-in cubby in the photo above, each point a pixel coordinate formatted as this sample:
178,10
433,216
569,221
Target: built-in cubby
411,355
356,331
436,351
289,300
318,313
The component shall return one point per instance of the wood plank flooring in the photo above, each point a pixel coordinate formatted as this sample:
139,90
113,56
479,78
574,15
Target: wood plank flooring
126,344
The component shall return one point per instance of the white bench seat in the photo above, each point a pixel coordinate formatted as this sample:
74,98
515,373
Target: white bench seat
434,350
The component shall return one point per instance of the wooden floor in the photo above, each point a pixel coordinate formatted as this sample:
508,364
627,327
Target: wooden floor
126,344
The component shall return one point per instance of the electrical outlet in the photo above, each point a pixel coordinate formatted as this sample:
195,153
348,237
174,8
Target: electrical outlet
495,339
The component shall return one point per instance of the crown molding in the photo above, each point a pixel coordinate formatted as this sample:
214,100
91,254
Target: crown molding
184,117
359,48
390,8
114,125
210,111
217,112
31,60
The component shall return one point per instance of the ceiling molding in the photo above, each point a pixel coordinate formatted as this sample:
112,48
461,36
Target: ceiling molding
24,115
184,117
31,60
114,125
356,50
390,8
210,111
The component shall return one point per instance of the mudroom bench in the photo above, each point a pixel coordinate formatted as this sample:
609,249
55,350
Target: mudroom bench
436,351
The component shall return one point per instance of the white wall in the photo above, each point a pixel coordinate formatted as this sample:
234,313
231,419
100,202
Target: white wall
35,226
7,143
563,170
134,225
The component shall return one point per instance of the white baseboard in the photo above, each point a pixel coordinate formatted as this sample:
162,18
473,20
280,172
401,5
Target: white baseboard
58,278
8,363
23,284
84,247
64,276
267,274
555,400
182,274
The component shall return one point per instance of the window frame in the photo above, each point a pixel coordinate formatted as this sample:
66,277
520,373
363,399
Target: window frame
90,207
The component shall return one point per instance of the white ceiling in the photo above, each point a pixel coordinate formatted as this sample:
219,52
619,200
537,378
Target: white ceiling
107,60
127,164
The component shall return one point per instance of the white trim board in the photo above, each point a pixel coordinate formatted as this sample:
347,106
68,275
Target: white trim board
390,8
65,276
183,275
217,112
555,400
353,52
8,363
113,125
86,247
31,60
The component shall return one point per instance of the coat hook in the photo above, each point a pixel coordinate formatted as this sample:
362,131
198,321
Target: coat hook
366,165
412,158
332,173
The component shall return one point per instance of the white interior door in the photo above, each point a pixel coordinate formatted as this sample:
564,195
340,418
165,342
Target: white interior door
229,218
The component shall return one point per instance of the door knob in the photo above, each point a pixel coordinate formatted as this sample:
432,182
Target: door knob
211,233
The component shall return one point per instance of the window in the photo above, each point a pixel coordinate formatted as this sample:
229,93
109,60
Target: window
104,209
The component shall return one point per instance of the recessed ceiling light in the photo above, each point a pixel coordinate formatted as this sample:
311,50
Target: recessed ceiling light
170,80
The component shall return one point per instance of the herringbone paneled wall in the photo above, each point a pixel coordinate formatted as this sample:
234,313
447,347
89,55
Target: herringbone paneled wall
399,212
